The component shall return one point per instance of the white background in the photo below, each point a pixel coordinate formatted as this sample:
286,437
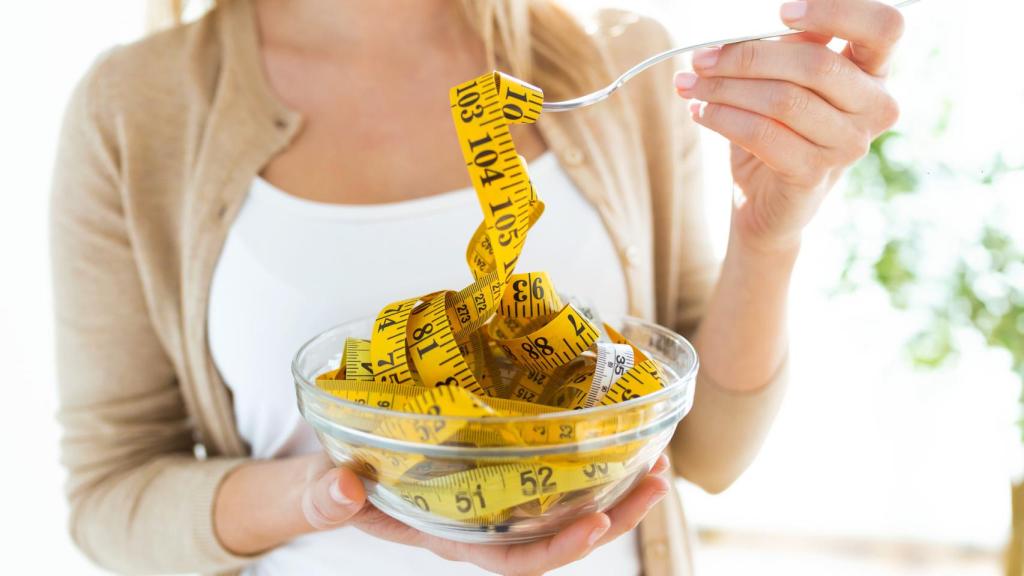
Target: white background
864,446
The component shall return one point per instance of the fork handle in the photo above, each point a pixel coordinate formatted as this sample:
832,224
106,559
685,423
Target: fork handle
603,93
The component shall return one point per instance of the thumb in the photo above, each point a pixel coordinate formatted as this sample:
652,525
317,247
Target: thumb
333,498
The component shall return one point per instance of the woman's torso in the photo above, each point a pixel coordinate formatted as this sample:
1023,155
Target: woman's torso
164,140
291,268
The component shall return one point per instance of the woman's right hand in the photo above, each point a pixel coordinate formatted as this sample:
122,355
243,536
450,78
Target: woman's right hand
329,497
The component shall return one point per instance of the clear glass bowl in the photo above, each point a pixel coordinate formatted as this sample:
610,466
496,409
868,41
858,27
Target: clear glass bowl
496,479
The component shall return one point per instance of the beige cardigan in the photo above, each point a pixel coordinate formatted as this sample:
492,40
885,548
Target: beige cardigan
160,144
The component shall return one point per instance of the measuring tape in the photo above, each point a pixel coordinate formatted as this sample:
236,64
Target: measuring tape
505,345
490,490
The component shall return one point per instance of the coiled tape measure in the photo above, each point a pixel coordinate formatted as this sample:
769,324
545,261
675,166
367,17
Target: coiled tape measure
506,345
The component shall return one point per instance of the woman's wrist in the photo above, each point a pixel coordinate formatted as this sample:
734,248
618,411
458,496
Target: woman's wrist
266,503
754,239
760,255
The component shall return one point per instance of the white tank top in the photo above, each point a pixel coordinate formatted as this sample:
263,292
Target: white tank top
291,268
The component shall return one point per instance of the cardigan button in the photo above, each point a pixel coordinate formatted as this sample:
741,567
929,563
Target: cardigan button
658,549
631,254
574,157
619,27
280,123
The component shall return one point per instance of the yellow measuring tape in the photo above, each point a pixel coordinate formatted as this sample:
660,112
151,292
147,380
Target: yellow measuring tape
505,345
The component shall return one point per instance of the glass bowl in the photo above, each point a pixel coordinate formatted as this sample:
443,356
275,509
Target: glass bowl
497,479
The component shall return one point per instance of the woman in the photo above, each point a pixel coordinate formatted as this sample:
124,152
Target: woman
218,187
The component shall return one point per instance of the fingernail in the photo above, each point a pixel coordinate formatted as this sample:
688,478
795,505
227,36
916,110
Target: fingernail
660,465
596,534
686,80
794,10
337,495
697,109
655,499
707,57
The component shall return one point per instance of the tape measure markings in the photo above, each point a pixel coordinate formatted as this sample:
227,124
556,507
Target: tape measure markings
356,364
387,344
491,489
563,338
495,348
613,360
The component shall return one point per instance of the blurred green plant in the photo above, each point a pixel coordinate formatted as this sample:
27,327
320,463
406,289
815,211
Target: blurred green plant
981,288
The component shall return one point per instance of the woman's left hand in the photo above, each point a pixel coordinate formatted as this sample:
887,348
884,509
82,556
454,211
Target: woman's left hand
796,112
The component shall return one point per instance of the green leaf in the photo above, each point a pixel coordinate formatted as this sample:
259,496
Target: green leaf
878,176
899,178
894,271
976,294
934,347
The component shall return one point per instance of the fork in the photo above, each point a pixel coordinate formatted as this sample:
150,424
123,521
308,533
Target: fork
603,93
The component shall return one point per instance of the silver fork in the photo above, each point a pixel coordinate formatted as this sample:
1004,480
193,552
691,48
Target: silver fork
599,95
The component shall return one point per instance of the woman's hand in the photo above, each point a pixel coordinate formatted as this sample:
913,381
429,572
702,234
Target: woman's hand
570,544
321,497
797,113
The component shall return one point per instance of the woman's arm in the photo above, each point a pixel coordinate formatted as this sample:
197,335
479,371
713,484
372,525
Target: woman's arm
140,500
725,428
743,349
798,115
742,339
264,504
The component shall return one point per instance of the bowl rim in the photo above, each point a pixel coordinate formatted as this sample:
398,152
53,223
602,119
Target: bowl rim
689,378
517,452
